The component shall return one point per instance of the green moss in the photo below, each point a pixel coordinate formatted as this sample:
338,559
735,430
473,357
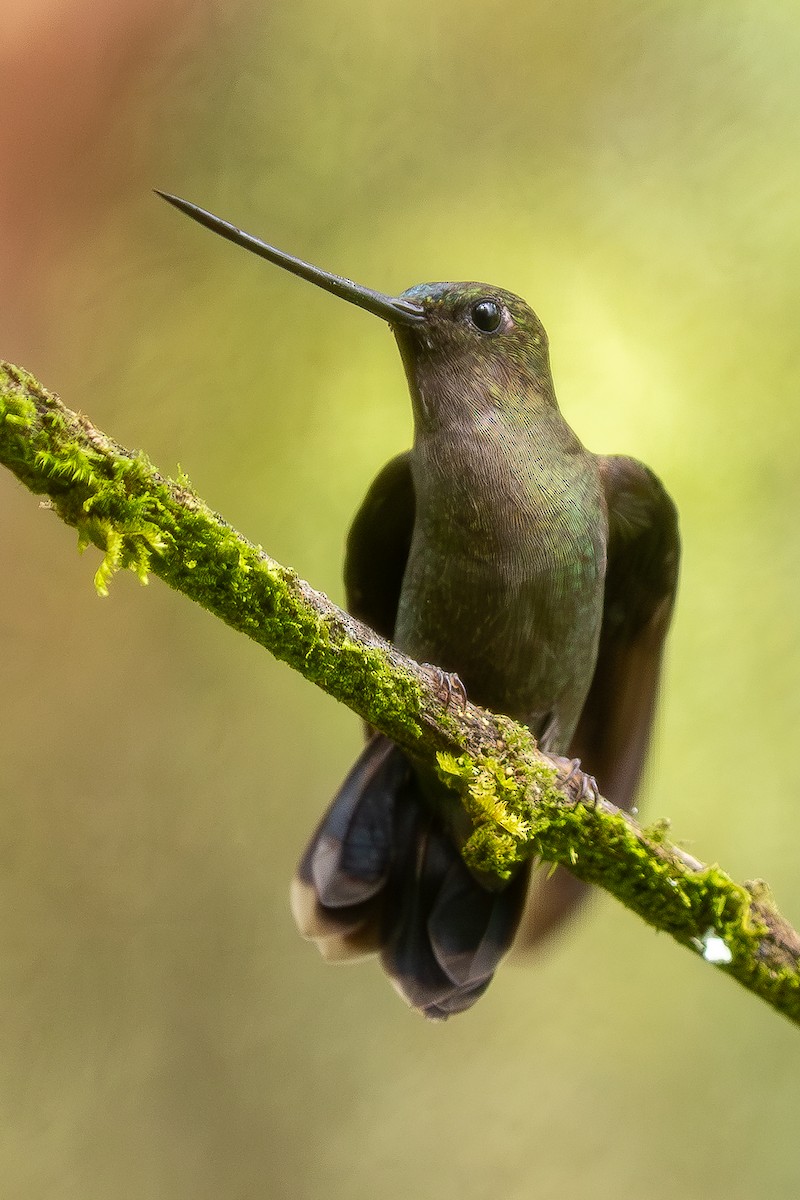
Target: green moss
520,814
143,522
505,805
658,831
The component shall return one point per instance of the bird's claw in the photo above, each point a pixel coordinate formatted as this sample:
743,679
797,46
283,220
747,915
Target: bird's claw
447,685
570,776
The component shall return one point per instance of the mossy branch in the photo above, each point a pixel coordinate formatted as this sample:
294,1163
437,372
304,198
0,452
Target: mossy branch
145,522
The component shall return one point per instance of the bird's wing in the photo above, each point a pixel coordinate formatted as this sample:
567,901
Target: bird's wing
614,729
378,545
613,733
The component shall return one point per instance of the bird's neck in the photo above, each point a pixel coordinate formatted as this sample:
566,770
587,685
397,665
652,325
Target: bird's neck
481,449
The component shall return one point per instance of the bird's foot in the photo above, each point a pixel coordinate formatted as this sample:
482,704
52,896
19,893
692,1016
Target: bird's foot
447,685
570,776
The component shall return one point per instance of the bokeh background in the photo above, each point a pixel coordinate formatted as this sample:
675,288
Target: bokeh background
632,170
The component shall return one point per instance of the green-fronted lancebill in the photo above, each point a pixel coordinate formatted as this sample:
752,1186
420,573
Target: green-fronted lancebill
499,549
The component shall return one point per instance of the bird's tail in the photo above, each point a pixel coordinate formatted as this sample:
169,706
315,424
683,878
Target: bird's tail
380,874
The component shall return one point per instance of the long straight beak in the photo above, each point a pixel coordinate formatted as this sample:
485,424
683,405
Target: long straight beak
396,312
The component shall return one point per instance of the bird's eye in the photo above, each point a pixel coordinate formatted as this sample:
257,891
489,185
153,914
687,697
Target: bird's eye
486,315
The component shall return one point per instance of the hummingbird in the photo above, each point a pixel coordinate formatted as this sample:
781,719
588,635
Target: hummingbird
537,575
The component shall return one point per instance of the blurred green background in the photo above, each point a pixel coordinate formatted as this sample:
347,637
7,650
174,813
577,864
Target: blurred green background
632,170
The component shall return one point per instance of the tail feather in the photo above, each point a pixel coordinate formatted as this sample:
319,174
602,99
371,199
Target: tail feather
422,860
336,894
380,874
349,856
471,929
445,935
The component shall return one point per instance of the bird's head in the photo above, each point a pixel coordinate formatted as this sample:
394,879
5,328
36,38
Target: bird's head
472,352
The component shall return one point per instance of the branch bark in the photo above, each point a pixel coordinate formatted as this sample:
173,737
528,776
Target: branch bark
143,521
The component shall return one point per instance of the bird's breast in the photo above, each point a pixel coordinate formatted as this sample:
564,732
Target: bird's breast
504,586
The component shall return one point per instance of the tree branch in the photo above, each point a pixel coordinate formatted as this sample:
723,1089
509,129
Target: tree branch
143,521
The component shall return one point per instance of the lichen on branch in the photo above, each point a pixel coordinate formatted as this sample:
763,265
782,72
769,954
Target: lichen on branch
142,521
